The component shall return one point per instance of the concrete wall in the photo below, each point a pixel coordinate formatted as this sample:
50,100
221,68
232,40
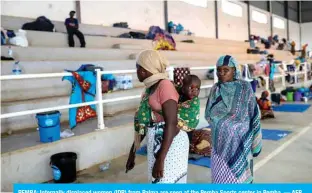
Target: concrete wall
260,29
199,20
306,31
54,10
294,33
282,33
231,27
139,14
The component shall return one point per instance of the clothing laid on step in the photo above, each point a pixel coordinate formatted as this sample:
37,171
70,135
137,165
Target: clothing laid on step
72,26
83,90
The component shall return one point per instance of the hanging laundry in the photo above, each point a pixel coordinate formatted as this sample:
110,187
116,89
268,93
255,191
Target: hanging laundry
83,90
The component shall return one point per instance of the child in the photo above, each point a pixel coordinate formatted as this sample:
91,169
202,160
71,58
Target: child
189,104
265,106
188,116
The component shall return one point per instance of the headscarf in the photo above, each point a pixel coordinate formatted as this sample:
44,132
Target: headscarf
231,62
155,63
224,90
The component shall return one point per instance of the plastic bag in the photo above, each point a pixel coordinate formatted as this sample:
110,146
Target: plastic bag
20,39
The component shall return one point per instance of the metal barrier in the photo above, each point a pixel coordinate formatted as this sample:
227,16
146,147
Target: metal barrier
99,97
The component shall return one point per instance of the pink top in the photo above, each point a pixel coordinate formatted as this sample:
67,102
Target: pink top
164,92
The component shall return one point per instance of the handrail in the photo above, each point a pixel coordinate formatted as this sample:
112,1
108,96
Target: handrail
99,97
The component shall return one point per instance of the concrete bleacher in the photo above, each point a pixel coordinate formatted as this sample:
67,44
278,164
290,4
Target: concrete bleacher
49,53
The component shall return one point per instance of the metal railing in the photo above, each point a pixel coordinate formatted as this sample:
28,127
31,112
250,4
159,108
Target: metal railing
99,96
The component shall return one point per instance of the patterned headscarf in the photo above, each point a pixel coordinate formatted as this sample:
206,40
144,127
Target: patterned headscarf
228,60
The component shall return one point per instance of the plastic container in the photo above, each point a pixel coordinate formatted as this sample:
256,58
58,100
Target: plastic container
49,134
49,126
290,96
16,68
297,96
64,167
48,119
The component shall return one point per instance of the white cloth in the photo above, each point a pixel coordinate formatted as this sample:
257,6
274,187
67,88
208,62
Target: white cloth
176,161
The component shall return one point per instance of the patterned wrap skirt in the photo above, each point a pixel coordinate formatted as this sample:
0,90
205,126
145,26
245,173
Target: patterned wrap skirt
176,161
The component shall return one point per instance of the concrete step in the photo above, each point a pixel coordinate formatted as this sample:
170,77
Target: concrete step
131,47
92,147
27,89
83,54
66,54
209,57
28,121
15,23
34,67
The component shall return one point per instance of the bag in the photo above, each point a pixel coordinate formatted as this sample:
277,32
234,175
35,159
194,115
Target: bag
179,74
20,39
105,86
137,35
121,25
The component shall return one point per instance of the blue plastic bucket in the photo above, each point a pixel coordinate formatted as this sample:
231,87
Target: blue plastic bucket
48,119
49,126
49,134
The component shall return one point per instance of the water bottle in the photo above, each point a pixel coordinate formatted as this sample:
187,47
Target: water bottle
10,52
17,68
104,166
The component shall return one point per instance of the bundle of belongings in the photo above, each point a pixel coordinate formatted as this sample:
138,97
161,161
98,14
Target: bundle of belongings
299,94
121,25
41,24
133,35
256,50
9,37
162,40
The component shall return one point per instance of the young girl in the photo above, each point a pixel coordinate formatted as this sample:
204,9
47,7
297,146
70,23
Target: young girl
265,106
188,116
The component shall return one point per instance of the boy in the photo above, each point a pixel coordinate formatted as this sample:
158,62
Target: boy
72,26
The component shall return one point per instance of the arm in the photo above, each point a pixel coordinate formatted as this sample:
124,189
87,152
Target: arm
77,24
171,130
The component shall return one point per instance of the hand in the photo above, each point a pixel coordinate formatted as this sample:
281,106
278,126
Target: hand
130,162
158,169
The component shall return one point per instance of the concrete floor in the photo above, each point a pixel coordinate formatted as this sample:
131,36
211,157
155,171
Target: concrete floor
283,161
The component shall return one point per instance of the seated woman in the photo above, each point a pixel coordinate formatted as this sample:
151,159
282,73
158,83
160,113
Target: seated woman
265,106
188,116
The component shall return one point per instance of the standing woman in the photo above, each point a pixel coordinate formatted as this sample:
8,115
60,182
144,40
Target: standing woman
167,146
234,117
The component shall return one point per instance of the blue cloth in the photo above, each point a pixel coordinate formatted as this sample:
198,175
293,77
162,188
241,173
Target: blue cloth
272,70
77,94
204,161
296,108
274,134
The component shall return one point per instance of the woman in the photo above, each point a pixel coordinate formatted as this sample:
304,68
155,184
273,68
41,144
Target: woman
167,146
265,106
233,115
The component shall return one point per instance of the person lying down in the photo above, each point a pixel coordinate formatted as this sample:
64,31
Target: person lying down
188,117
